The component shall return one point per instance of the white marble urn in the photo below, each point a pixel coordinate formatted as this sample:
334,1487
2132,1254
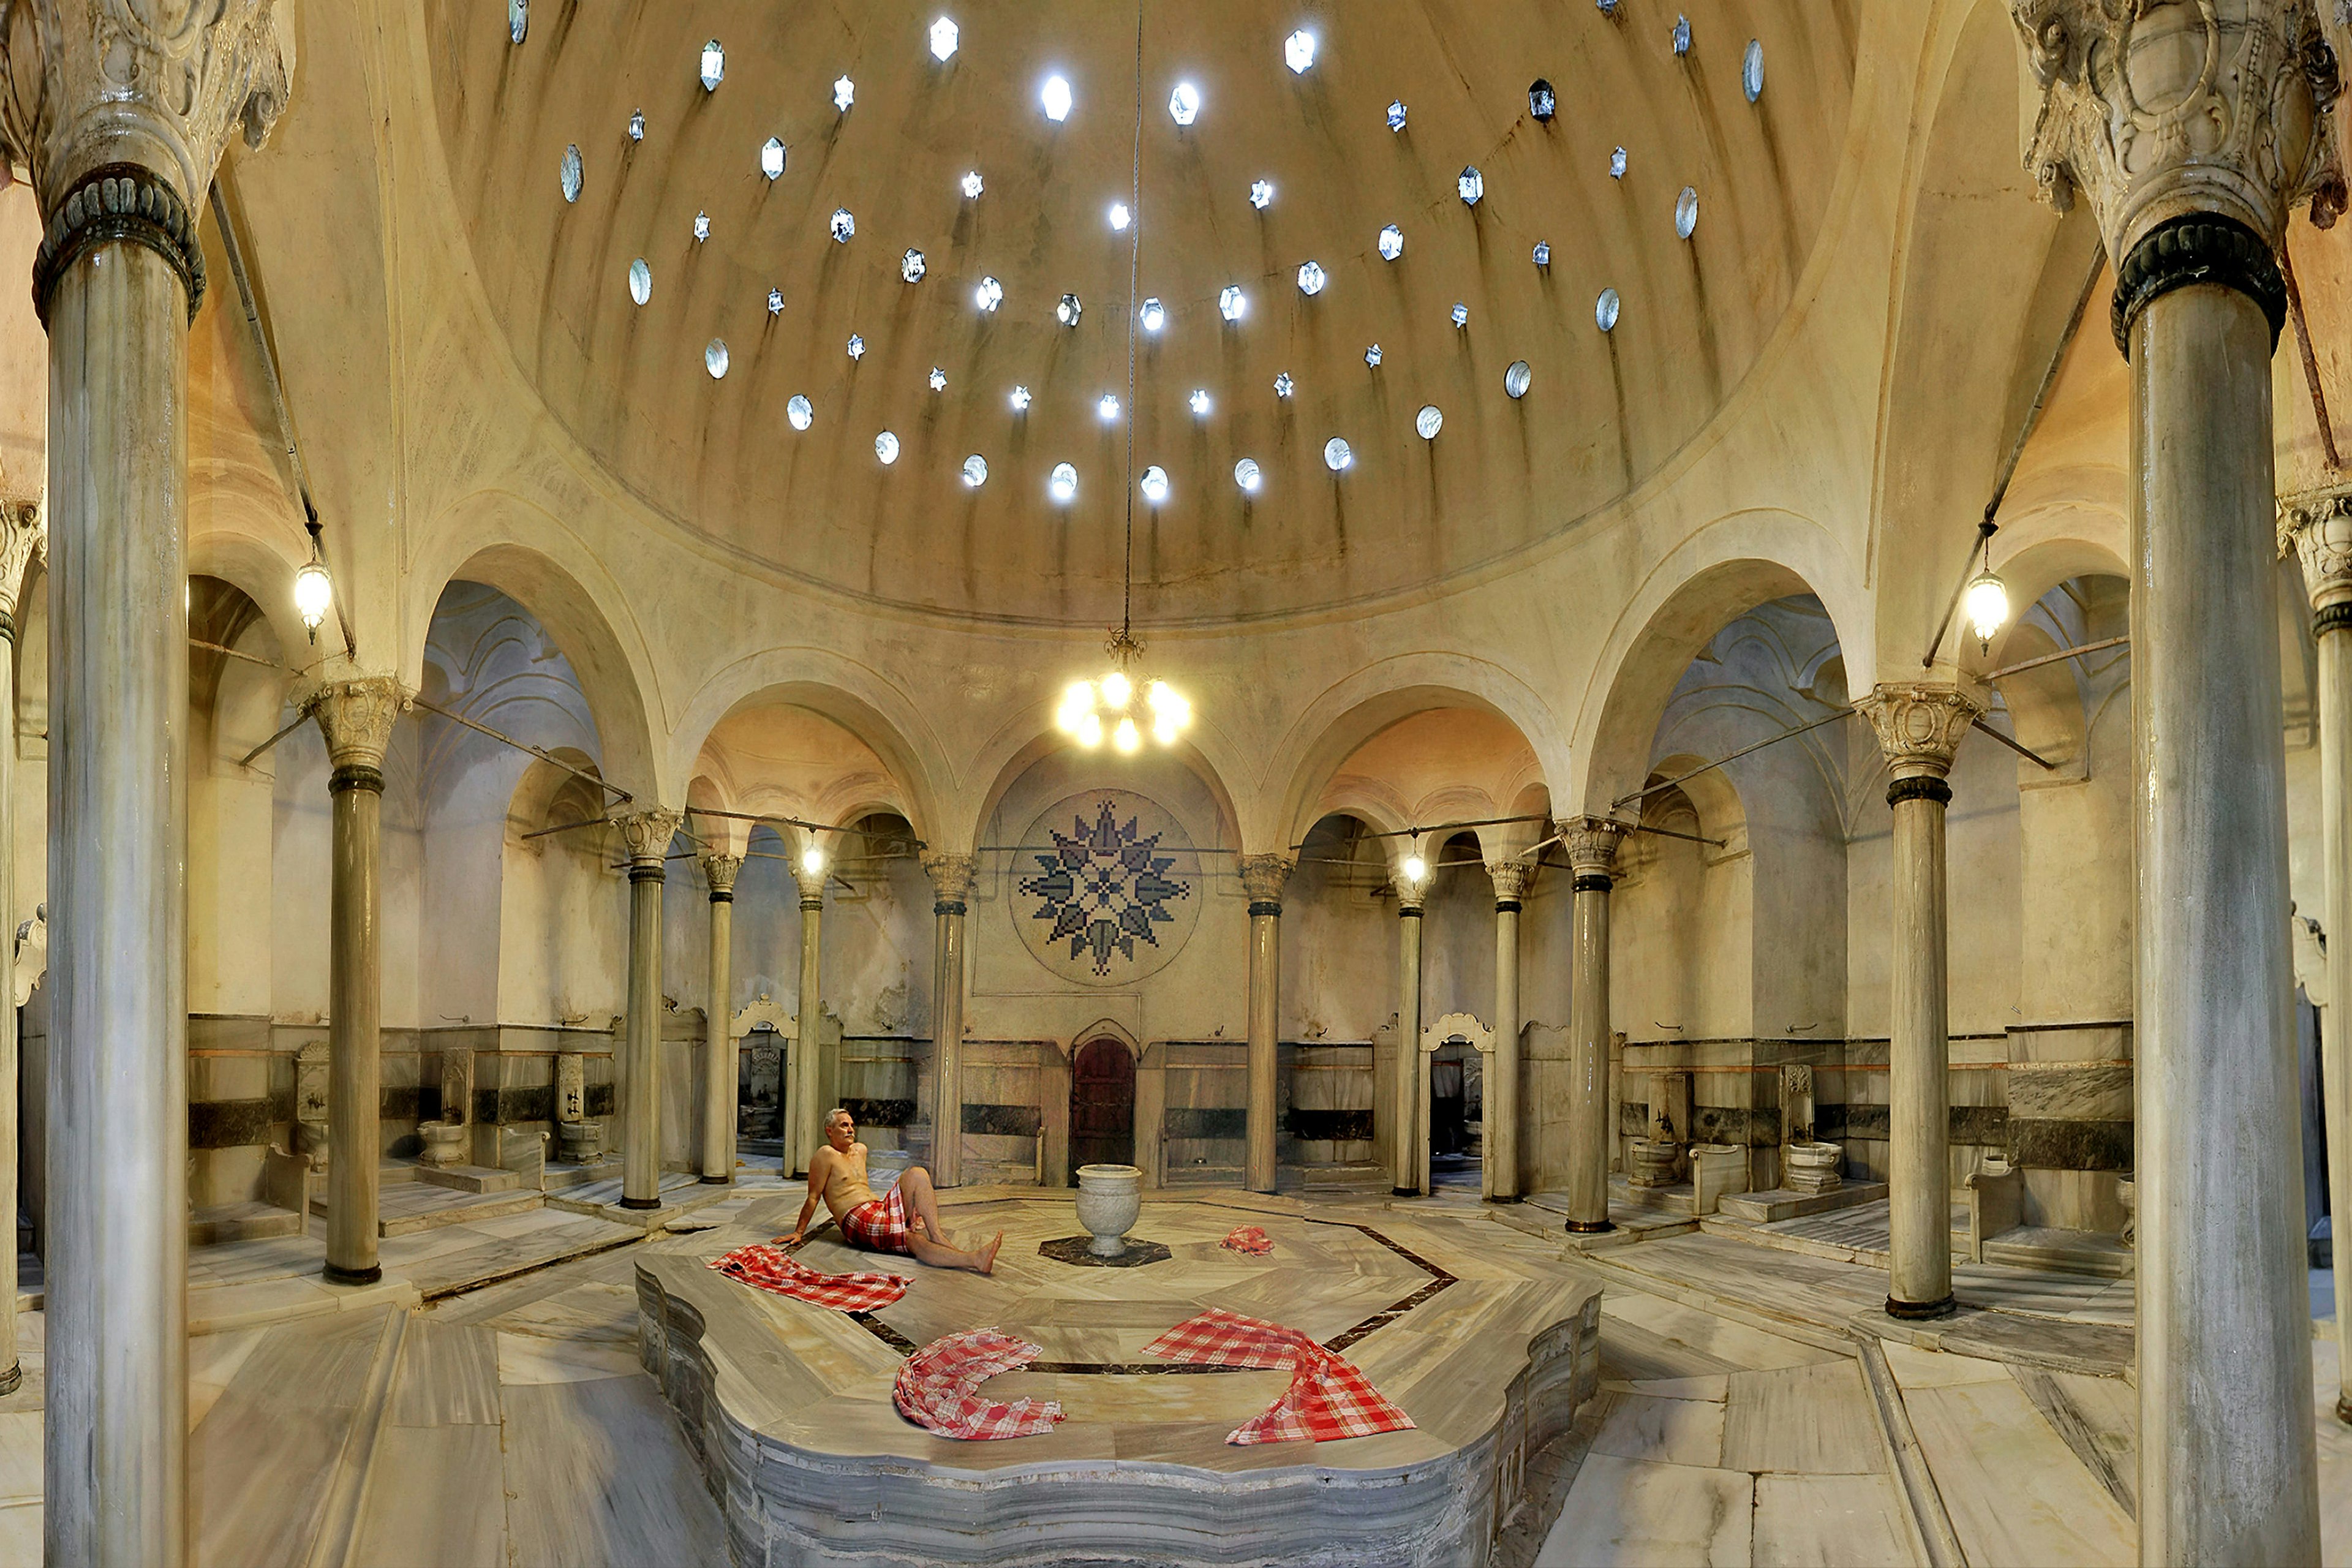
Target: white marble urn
1653,1163
1109,1197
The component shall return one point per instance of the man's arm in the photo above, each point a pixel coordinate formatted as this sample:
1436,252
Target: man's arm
816,1174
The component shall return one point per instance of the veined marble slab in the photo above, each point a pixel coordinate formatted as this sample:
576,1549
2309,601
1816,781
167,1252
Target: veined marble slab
1485,1337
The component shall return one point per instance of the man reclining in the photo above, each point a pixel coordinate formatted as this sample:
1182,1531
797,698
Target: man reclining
837,1175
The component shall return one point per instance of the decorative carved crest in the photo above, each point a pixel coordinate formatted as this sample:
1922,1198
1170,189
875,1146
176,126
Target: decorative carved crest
1464,1027
1919,726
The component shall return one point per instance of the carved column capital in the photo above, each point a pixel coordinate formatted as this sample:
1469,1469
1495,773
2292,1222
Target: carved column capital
1919,728
2193,128
719,871
645,836
1410,894
2318,528
1592,844
813,883
1511,879
356,717
1263,878
951,877
121,107
24,533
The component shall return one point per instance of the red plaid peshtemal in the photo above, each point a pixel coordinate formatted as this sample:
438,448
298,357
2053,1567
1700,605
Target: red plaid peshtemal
939,1388
1328,1397
1247,1238
879,1225
764,1266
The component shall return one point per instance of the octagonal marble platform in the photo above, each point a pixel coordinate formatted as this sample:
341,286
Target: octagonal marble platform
1482,1334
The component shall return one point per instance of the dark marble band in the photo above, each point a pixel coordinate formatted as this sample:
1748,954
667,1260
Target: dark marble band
2196,247
125,202
1588,1227
641,1203
1920,1312
1408,911
1507,906
657,872
368,1275
1925,786
721,896
356,776
1592,883
1266,907
2334,618
947,907
7,627
812,904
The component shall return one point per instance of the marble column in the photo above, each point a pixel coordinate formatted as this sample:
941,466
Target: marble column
718,1064
803,1116
22,531
1592,844
1501,1101
1412,1174
119,113
2192,130
645,836
1263,878
1919,728
2319,528
951,878
356,716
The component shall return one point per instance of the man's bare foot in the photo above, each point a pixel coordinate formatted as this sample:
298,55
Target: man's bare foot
987,1255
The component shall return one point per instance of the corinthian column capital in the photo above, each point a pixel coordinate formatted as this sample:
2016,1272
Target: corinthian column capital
356,717
1919,726
2318,528
719,871
1592,844
1263,878
951,878
121,107
1510,878
2169,114
645,836
24,533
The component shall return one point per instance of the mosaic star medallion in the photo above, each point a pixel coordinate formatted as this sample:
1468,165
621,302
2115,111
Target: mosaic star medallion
1105,891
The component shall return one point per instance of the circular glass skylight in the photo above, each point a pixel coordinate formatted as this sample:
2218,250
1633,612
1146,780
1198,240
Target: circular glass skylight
939,379
518,19
1396,114
1298,50
1617,165
772,157
1261,194
1231,303
1517,379
1020,400
1200,401
1429,421
1119,216
1069,310
1604,310
800,411
775,302
1543,253
1184,103
1472,185
1751,70
1154,484
886,446
989,295
1542,102
845,93
1310,277
1682,35
943,39
856,346
1372,356
1056,99
1391,243
1283,386
975,471
714,66
641,281
636,125
1107,407
1461,314
1336,455
1063,484
1686,212
911,265
714,358
1246,475
1153,315
701,227
842,224
568,173
972,185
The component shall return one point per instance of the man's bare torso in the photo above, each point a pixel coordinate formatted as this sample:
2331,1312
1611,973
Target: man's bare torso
844,1178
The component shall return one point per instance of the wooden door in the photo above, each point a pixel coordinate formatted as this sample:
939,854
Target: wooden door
1102,1106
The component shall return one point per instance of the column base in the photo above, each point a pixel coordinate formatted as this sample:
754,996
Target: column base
1503,1198
13,1379
1405,1192
1588,1227
336,1275
716,1181
2343,1408
641,1203
1920,1312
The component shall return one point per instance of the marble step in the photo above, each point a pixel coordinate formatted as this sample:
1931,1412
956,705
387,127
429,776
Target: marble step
249,1221
1782,1203
405,1210
469,1178
1358,1178
2070,1251
560,1177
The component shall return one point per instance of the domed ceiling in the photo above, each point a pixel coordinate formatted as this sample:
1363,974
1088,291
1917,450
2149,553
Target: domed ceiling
721,455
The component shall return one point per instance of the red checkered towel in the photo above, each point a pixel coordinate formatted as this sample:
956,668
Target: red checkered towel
1328,1397
1247,1238
939,1388
764,1266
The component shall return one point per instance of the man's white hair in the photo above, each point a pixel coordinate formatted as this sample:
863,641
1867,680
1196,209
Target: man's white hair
837,1111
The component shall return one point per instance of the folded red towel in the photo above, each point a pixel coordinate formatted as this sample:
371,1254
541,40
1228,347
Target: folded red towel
939,1388
764,1266
1328,1397
1247,1238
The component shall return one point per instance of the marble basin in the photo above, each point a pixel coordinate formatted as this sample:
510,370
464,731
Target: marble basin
445,1143
1653,1163
1811,1167
1109,1198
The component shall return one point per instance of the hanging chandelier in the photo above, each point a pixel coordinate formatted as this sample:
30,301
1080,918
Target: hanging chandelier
1124,704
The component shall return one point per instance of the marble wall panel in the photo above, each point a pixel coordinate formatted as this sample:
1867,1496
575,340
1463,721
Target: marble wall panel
1544,1081
1326,1104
